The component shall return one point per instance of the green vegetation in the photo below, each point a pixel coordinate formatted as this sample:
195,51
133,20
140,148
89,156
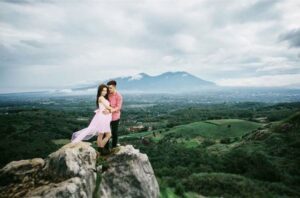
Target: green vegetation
228,149
260,163
29,133
216,128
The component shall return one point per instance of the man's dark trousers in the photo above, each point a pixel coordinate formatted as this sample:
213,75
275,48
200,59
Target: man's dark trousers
114,134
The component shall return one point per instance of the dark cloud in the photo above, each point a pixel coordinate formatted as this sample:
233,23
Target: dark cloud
225,13
32,43
26,1
260,10
292,37
30,53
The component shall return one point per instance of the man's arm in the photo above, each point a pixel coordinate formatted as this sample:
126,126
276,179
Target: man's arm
119,104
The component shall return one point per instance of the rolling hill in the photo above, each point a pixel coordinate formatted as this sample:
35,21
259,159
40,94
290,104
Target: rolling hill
257,160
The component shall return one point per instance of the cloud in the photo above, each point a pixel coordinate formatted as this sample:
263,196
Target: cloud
259,11
263,81
293,37
96,40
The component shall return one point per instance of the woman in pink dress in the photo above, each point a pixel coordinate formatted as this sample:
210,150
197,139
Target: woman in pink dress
100,123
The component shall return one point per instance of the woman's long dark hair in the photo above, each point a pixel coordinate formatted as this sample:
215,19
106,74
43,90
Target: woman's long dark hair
100,88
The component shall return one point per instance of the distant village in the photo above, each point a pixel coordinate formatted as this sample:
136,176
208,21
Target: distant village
139,127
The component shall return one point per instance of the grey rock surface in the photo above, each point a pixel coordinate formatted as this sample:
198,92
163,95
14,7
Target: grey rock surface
72,171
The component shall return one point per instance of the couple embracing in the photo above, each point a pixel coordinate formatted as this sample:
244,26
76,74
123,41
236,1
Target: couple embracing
106,120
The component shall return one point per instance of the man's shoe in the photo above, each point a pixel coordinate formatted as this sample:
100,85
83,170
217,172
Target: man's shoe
102,151
117,145
106,151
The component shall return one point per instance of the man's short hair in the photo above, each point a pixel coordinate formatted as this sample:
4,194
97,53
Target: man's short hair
112,82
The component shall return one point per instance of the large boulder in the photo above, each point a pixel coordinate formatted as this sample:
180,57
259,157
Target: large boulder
129,174
72,171
68,172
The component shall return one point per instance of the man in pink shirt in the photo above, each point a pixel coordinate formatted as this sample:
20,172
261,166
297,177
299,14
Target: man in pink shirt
116,100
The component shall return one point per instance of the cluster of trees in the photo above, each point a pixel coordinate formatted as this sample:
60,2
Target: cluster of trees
28,133
266,167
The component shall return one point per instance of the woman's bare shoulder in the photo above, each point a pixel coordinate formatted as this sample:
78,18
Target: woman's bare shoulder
102,99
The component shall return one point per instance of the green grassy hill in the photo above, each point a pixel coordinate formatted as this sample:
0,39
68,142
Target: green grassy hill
210,129
216,128
202,132
255,160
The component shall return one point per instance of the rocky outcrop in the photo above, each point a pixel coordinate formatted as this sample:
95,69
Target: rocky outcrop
72,172
129,174
68,172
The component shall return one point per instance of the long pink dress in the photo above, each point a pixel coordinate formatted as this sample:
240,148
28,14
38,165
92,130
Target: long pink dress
99,124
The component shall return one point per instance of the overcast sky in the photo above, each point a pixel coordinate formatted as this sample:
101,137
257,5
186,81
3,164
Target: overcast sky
53,44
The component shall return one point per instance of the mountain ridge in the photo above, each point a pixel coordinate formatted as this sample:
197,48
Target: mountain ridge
165,82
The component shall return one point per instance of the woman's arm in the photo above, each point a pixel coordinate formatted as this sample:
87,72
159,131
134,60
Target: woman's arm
101,98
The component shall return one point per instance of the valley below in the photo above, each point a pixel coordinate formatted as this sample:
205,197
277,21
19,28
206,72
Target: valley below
216,149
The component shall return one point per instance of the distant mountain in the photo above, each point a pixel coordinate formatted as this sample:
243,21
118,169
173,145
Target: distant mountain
166,82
